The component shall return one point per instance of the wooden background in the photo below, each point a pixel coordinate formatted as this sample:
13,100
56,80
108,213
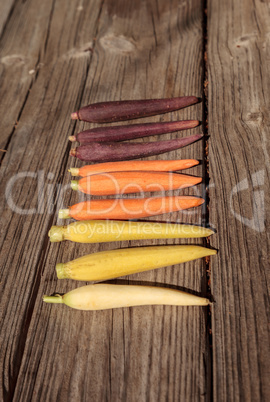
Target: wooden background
57,56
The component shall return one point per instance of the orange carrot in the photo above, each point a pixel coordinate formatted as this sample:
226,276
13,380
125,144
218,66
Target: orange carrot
155,165
132,182
129,208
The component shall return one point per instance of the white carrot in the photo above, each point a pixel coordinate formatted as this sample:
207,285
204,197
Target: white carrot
105,296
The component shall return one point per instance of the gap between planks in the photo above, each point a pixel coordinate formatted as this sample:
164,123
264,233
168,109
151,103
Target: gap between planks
205,189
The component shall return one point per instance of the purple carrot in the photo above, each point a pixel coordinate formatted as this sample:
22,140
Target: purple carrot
106,112
130,132
118,151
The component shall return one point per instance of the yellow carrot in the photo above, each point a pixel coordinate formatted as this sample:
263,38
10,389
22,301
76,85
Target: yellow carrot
123,166
105,296
114,263
99,231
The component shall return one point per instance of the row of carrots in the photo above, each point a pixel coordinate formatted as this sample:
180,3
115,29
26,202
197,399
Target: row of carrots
105,220
113,178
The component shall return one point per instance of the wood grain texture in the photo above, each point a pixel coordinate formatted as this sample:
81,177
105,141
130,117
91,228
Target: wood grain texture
7,8
88,52
238,99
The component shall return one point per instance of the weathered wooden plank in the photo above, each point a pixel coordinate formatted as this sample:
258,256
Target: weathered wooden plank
38,145
6,11
20,59
238,58
99,51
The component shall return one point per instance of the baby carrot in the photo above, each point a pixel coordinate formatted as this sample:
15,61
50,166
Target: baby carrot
125,261
155,165
133,182
119,151
131,131
129,208
103,296
100,231
106,112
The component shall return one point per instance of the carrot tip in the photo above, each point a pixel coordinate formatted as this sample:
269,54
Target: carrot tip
74,185
74,116
192,162
56,234
72,138
63,214
60,271
53,299
74,171
73,152
197,137
195,123
194,99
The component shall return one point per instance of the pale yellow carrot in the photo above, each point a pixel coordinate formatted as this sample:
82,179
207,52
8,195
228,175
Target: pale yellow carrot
105,296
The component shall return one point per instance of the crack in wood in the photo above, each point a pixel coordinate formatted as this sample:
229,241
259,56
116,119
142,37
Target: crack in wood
208,360
12,8
49,27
